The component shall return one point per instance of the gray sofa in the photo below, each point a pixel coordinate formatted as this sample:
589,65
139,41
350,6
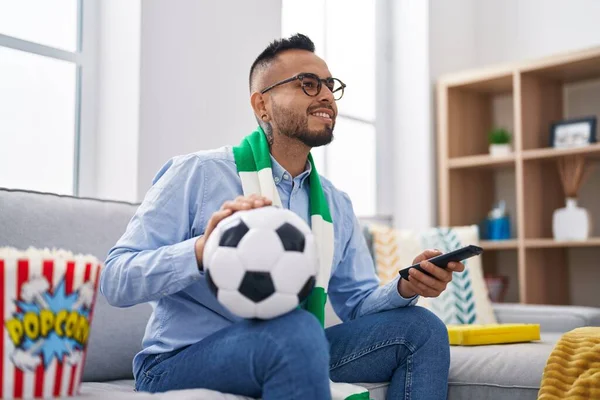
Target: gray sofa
93,226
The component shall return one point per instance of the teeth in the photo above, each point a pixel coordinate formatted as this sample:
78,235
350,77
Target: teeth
320,114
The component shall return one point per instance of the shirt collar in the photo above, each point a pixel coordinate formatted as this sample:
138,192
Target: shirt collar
279,172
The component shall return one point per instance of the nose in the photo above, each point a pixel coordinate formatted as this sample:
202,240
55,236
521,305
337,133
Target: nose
325,96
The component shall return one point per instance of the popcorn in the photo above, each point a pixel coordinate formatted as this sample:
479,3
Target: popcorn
49,297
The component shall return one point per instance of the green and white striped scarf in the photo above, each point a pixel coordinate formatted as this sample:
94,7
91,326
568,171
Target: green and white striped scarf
253,162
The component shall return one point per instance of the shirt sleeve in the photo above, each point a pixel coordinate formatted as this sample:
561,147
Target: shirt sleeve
354,288
155,257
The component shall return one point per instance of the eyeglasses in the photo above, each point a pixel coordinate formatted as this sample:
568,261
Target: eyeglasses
312,84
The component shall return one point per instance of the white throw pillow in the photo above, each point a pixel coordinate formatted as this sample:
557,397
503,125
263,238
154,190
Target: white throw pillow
466,299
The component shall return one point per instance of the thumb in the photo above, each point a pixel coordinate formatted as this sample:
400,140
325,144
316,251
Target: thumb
427,254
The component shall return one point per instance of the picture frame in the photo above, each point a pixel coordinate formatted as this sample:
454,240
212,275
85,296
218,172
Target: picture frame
575,132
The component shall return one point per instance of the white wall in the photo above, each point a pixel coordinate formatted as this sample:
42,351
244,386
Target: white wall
466,34
426,40
195,59
118,100
173,79
451,47
452,36
409,116
509,30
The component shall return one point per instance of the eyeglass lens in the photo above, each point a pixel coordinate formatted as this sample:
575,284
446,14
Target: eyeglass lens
312,86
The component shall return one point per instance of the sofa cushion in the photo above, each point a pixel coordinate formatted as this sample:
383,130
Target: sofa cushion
115,338
552,318
512,371
86,226
507,371
48,220
124,390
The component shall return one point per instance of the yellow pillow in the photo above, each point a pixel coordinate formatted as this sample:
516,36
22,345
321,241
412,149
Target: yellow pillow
473,335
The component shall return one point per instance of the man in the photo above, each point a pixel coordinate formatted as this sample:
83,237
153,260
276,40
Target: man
191,341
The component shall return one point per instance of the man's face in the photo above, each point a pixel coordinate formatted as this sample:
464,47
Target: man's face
295,114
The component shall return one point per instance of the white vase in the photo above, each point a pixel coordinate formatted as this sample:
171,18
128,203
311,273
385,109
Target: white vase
500,149
571,222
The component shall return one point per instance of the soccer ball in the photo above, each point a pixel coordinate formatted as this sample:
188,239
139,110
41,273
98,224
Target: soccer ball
261,263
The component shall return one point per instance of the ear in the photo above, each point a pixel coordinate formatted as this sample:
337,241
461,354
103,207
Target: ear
257,100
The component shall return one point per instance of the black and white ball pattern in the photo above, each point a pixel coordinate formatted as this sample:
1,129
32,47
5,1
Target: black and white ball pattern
261,263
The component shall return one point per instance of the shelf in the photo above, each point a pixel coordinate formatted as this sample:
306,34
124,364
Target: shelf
551,243
483,160
580,66
592,150
513,244
491,82
509,244
526,98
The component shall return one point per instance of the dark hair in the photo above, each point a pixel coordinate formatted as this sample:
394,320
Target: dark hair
297,41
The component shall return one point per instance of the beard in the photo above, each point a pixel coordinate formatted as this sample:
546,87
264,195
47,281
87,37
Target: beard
295,125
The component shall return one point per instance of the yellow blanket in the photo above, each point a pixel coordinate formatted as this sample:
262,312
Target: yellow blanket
573,369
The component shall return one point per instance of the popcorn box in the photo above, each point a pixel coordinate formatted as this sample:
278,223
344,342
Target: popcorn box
47,306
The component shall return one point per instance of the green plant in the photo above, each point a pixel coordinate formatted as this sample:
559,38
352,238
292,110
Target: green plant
499,136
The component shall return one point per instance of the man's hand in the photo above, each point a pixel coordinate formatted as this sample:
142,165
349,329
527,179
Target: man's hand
228,208
426,286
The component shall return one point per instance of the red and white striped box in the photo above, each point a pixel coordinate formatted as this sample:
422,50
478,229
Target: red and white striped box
47,306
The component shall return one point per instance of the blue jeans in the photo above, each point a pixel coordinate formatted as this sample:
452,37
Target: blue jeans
291,357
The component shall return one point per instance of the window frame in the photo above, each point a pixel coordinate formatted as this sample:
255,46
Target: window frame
342,114
384,171
85,59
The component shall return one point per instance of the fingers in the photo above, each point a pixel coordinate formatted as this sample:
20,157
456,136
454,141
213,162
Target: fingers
255,197
428,284
229,207
422,289
456,267
440,274
237,205
246,203
240,203
251,198
432,286
215,219
427,254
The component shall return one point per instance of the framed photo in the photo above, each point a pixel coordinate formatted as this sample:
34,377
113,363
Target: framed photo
577,132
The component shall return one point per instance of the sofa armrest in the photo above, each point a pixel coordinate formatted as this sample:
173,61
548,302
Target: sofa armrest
556,319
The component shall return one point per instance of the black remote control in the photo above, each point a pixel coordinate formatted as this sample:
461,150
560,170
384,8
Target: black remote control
443,259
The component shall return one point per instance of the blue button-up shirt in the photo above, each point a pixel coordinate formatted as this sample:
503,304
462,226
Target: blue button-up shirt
154,261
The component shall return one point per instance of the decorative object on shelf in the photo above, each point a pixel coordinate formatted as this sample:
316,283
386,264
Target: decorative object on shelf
571,222
497,286
577,132
499,142
497,223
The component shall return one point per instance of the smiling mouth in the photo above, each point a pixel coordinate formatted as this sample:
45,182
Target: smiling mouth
322,115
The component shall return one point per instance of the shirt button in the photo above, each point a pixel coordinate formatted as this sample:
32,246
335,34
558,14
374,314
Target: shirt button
286,177
276,179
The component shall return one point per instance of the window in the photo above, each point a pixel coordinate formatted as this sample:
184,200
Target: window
41,64
350,54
